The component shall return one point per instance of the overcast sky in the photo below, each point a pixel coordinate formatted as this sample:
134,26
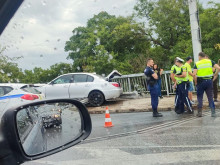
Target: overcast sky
40,28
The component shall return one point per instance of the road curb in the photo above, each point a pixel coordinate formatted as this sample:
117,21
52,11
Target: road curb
132,110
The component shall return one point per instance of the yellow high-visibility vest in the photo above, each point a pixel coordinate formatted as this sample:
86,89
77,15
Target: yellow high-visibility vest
179,71
204,68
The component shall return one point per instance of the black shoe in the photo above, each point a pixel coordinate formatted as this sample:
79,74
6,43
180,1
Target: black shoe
190,112
161,97
178,111
199,114
215,100
157,115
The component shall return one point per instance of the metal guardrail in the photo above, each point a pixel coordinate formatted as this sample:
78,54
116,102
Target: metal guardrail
137,82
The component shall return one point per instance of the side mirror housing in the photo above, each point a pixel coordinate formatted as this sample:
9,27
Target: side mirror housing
39,129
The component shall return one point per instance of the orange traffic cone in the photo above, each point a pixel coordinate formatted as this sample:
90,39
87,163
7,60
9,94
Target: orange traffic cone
108,121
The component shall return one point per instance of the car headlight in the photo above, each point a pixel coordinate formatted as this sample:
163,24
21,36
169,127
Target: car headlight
56,116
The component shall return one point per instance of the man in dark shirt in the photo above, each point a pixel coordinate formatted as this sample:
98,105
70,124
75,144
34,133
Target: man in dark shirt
152,86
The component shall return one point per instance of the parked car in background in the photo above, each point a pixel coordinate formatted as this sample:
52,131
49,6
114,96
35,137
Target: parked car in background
51,118
12,94
82,85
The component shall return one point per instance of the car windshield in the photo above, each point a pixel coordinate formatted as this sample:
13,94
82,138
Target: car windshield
145,116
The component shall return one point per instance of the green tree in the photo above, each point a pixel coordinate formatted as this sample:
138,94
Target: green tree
210,29
9,71
57,70
39,75
106,43
168,28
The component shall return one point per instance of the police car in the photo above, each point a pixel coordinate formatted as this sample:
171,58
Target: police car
12,94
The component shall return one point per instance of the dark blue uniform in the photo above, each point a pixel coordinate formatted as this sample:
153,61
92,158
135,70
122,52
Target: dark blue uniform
181,91
152,86
182,98
205,85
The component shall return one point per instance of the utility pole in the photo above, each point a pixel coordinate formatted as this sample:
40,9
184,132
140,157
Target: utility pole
195,29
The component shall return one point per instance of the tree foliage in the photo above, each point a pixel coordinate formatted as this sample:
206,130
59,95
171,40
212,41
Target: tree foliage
210,29
39,75
9,71
167,27
106,43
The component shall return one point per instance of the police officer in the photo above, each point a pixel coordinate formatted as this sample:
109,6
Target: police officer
173,78
172,72
189,70
182,80
152,86
203,79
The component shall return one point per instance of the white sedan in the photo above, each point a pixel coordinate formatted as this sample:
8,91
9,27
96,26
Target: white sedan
12,94
82,85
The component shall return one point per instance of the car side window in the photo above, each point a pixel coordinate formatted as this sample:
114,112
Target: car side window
80,78
90,79
5,90
63,79
8,89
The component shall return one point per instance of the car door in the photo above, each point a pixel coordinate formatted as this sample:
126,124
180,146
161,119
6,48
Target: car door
59,88
81,85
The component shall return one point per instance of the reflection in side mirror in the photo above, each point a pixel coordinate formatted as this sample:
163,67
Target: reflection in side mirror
44,127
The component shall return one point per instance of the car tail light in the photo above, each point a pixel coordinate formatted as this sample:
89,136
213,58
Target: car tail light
116,84
29,97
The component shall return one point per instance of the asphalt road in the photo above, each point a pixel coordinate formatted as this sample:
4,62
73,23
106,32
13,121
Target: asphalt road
138,138
46,139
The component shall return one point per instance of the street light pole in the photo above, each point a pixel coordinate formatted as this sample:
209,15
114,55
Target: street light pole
195,29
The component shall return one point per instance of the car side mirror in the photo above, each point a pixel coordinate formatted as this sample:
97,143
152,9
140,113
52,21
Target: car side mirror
39,129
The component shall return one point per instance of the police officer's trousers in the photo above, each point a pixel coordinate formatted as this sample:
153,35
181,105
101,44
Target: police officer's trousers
205,86
182,98
154,96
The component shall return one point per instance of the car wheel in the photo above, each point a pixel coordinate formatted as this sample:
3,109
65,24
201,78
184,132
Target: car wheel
96,98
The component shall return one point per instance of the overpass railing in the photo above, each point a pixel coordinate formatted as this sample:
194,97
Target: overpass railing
137,82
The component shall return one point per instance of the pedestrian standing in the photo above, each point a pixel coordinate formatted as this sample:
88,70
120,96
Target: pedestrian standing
152,86
159,72
182,79
203,80
173,70
215,83
190,74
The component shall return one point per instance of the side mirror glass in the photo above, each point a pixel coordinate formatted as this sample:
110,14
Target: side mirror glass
47,126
